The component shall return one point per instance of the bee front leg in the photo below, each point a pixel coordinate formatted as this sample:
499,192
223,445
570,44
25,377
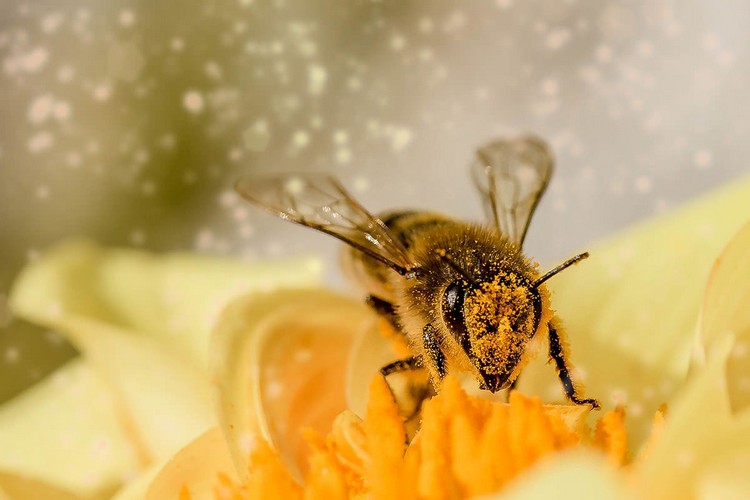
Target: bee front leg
557,354
435,356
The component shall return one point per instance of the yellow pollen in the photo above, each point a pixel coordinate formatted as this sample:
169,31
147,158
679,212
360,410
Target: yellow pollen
466,446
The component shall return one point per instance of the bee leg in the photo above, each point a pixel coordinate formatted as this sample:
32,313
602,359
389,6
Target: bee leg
409,393
402,365
431,347
558,356
384,309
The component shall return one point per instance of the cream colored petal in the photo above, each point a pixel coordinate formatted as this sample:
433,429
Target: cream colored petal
162,397
16,486
195,469
175,297
279,365
567,475
630,310
726,311
701,442
66,431
136,488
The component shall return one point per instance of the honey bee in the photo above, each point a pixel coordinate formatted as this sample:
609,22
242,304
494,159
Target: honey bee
466,298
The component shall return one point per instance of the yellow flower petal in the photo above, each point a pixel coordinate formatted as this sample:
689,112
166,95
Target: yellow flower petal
279,364
15,486
701,436
195,469
630,310
569,475
174,297
67,432
726,312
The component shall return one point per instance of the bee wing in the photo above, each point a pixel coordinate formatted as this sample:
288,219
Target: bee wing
512,175
319,201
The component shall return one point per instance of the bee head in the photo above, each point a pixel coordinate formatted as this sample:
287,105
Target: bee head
493,322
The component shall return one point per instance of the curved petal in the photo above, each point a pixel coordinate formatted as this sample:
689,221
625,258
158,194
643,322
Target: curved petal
69,414
700,439
174,297
161,397
631,309
566,475
197,469
279,364
19,486
726,313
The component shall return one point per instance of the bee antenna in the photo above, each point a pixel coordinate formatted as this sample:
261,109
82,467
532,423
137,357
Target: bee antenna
447,258
561,267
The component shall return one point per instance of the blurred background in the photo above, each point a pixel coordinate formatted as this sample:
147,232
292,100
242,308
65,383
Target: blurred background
128,121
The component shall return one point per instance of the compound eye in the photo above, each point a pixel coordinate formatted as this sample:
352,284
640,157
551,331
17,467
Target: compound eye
453,305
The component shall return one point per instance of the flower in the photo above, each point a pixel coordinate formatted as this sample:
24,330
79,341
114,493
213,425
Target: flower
653,317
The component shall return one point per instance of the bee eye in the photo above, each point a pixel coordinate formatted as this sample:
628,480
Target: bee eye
453,305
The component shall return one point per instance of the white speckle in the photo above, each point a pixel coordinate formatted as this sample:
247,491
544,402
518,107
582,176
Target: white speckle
42,192
228,198
316,121
300,139
148,188
400,138
340,137
398,42
102,92
703,159
426,25
603,54
557,38
40,109
317,77
137,237
61,110
127,18
361,184
177,44
643,184
213,70
193,101
343,155
550,87
167,141
29,62
65,74
40,142
257,136
246,231
354,83
12,355
240,213
204,239
504,4
51,22
294,185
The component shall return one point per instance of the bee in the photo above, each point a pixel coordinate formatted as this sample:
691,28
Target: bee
466,298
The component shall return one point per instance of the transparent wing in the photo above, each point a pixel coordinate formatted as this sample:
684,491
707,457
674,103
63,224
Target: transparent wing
320,202
511,175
